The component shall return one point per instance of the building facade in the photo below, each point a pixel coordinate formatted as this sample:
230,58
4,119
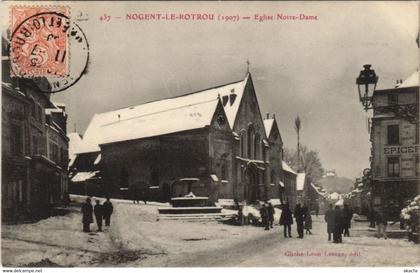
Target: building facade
289,178
34,149
395,146
217,135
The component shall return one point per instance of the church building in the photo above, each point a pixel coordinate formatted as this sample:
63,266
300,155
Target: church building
216,135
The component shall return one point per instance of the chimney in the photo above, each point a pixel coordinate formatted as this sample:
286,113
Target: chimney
225,100
274,116
268,115
232,97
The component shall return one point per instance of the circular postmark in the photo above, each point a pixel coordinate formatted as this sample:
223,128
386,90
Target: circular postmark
50,49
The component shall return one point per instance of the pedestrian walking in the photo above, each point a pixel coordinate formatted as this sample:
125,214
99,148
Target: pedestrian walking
87,211
316,209
300,217
99,214
286,220
239,208
329,218
66,199
108,209
308,223
270,211
338,225
381,224
347,215
371,216
264,216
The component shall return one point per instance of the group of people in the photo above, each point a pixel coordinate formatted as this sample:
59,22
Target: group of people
101,212
338,222
267,215
303,220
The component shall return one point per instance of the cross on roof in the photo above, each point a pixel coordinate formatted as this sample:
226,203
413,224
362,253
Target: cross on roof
247,65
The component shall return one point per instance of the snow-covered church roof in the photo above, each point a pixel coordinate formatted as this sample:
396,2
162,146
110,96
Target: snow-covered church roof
186,112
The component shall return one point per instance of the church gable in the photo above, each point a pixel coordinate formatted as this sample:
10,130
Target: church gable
274,135
220,120
249,114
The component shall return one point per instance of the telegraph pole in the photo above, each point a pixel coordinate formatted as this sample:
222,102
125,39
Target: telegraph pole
297,128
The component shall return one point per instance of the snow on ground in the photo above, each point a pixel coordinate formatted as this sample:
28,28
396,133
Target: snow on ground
58,239
136,238
362,249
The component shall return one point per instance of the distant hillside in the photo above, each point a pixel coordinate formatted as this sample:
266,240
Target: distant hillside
336,184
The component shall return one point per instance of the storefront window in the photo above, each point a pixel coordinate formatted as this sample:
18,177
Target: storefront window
393,166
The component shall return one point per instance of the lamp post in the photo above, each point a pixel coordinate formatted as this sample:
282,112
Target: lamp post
366,85
368,79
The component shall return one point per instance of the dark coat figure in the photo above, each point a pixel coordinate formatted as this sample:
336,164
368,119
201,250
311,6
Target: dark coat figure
347,215
308,223
316,209
300,217
99,214
371,216
381,224
66,199
264,216
108,209
338,222
286,220
329,218
87,211
270,211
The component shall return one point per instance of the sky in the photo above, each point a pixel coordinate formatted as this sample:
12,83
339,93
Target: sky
306,68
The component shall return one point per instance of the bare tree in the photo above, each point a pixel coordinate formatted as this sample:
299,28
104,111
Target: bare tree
309,162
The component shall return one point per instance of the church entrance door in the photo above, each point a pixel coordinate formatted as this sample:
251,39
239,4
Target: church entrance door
252,193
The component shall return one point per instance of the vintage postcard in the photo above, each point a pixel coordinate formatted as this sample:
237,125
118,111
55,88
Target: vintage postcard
210,134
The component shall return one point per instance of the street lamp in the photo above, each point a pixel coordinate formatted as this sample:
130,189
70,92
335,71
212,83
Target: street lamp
367,78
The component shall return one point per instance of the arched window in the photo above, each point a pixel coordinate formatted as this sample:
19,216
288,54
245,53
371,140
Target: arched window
124,178
273,177
257,146
224,175
223,171
249,141
242,144
264,151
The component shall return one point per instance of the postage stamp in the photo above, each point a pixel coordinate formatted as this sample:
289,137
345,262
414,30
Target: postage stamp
43,41
39,44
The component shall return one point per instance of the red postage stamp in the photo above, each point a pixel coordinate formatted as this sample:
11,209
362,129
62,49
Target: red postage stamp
39,42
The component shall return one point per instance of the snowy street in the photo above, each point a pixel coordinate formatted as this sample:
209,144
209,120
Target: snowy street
136,239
